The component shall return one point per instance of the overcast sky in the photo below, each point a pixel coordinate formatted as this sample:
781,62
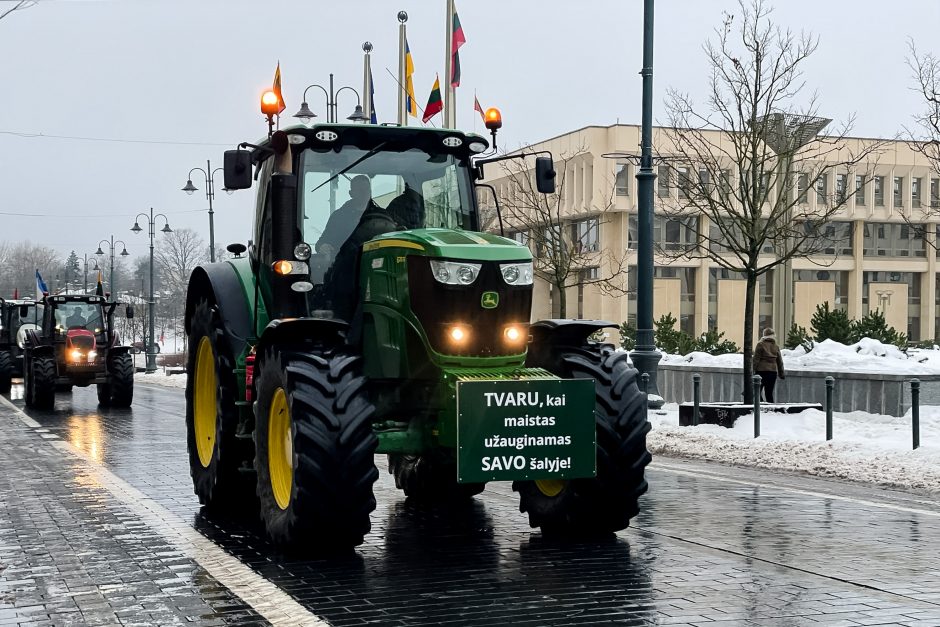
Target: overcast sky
182,71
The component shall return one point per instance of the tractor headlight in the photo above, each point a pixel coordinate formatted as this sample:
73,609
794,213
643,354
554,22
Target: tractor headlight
517,273
302,251
92,355
75,355
455,272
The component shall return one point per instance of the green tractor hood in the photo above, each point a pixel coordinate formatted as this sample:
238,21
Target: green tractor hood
452,244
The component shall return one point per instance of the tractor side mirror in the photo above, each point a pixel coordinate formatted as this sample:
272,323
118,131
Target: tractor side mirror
237,169
544,175
24,311
129,311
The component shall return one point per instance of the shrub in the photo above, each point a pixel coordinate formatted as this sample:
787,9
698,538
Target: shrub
667,338
711,342
829,324
874,325
627,336
798,336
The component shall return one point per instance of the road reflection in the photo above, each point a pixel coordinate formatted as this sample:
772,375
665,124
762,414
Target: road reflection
86,433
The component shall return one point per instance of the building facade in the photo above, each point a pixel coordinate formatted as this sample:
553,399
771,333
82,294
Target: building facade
883,254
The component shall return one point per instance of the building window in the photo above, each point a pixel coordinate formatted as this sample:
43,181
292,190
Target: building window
835,238
840,188
888,239
860,190
704,179
879,191
584,235
726,183
664,181
683,182
822,188
520,236
675,233
623,179
915,192
898,191
802,186
632,231
935,193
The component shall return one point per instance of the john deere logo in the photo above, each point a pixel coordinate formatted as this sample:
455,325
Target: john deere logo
490,300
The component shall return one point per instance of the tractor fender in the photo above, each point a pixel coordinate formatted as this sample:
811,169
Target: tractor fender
220,283
42,351
323,332
549,335
118,350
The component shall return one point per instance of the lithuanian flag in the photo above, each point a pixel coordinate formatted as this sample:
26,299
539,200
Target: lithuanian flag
435,104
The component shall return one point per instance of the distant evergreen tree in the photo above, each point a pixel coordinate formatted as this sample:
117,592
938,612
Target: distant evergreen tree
829,324
874,326
798,336
72,268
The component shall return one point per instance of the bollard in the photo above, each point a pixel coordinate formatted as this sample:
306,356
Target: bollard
756,380
830,382
644,382
696,397
915,411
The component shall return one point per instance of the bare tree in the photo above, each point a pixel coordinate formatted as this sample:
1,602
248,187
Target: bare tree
565,244
18,269
176,255
736,159
924,137
18,5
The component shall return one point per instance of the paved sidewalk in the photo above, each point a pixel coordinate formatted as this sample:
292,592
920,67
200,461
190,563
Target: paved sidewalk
72,554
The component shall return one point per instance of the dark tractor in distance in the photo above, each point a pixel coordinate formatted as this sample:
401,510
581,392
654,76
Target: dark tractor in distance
370,315
76,344
16,317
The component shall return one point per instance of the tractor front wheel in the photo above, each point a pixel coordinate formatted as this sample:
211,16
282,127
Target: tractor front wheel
314,450
42,380
121,373
6,371
605,503
215,454
431,477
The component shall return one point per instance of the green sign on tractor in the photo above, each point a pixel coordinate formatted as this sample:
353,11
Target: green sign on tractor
369,314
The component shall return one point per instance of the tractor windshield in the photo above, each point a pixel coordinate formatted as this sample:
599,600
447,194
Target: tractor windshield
78,315
413,188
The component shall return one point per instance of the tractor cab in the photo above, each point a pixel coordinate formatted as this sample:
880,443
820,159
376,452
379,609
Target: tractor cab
17,317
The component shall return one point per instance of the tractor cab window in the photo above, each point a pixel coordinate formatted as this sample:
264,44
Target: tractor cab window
78,315
354,195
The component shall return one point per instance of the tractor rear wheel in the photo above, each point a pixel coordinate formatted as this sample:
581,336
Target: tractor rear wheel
605,503
121,373
314,450
431,477
42,380
215,454
6,371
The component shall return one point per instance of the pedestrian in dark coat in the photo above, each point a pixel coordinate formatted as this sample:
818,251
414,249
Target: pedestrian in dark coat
768,363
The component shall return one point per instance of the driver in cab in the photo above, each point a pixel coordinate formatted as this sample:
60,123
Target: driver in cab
76,319
344,220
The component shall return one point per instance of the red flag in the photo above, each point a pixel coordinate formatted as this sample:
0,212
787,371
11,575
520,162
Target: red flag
276,87
458,39
16,293
435,104
478,108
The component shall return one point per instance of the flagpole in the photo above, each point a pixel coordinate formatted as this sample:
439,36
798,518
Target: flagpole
402,81
450,111
366,74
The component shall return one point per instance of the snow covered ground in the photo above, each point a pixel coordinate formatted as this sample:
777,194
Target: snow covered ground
162,379
865,447
828,356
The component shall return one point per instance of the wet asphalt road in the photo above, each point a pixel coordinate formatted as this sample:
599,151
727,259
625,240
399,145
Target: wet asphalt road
713,545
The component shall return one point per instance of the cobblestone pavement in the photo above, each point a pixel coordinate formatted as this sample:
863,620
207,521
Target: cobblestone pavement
106,535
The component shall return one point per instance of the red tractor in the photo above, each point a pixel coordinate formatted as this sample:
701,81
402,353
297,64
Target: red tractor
77,345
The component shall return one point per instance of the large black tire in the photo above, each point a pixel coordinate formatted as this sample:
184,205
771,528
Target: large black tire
121,371
218,484
6,371
332,447
607,502
43,378
431,477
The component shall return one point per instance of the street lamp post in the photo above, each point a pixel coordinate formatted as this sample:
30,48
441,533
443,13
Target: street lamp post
209,176
148,344
645,356
305,115
93,260
124,253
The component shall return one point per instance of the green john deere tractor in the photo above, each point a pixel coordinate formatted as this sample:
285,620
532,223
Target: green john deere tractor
370,315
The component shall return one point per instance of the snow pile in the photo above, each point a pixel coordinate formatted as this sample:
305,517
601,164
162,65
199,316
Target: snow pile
865,447
161,379
867,355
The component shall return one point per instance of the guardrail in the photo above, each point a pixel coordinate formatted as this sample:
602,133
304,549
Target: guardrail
829,383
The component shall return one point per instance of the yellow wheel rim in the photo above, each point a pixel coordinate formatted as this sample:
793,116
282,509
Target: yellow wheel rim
550,487
280,449
204,402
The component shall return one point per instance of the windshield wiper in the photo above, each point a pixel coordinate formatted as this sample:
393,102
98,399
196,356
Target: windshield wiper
350,166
